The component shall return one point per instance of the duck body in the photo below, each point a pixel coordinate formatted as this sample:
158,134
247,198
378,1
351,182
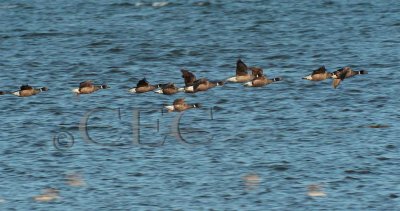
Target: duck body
192,85
319,74
143,86
169,89
180,105
203,85
260,79
87,87
345,72
241,73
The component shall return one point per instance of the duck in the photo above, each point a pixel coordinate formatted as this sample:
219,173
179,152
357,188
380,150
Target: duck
169,89
345,72
26,91
261,80
87,87
242,75
192,85
180,105
144,86
319,74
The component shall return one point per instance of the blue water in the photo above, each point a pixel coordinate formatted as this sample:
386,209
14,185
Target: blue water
290,134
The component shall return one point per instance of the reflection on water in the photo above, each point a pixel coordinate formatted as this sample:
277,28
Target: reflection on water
315,190
75,180
251,181
49,194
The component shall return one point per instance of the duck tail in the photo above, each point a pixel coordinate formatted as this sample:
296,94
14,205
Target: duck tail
276,79
196,105
362,72
220,83
159,85
43,89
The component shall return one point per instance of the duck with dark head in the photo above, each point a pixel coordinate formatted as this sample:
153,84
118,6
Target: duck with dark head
27,91
345,72
180,105
242,75
169,89
319,74
192,85
260,79
87,87
144,86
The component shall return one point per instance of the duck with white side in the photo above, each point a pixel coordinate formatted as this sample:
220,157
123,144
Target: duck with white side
180,105
87,87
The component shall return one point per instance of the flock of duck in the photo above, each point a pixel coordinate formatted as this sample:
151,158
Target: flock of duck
249,76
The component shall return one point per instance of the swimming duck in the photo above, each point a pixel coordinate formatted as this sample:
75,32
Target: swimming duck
241,73
143,86
26,91
319,74
345,72
169,89
192,85
88,87
261,80
180,105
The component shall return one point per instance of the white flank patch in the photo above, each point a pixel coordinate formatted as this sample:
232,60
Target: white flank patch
189,89
170,107
232,79
133,90
16,93
248,84
308,77
159,91
334,76
160,4
76,91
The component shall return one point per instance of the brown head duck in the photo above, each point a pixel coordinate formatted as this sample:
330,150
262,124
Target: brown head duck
26,91
180,105
87,87
319,74
143,86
